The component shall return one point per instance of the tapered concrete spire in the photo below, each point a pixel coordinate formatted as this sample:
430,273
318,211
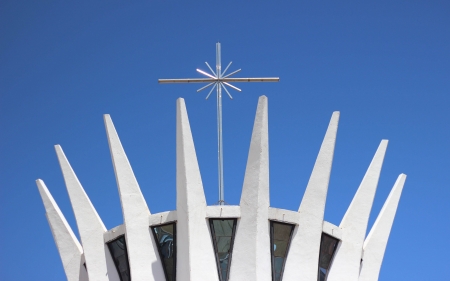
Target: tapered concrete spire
251,251
305,244
376,241
68,246
195,251
91,228
347,262
143,256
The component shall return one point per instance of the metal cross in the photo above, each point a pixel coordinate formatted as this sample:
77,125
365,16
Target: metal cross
218,80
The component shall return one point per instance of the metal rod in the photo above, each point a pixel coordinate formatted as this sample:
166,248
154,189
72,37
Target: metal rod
210,68
212,89
219,125
209,80
207,74
265,79
218,60
223,73
225,88
189,80
234,87
220,144
234,72
202,88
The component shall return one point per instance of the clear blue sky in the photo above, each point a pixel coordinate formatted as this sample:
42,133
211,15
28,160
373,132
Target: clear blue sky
384,65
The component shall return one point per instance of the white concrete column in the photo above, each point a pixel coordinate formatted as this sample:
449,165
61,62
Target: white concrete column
251,251
195,253
303,256
67,243
376,241
145,263
346,263
99,263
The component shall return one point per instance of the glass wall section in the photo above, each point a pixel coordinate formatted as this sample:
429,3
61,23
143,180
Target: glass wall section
118,250
328,247
280,238
165,237
222,231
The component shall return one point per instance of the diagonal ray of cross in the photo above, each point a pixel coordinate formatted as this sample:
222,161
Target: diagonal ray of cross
219,80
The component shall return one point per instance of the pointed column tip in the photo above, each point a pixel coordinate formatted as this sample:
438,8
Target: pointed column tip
402,177
41,185
107,120
60,152
181,106
46,196
180,103
384,143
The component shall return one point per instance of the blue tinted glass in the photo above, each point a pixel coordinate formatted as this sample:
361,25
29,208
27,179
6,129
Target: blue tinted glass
222,231
328,247
165,237
280,236
322,274
118,250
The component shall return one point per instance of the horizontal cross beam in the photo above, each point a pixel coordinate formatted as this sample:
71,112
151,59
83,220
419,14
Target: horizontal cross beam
210,80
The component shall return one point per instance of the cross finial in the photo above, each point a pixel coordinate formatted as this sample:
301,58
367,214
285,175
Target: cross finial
219,80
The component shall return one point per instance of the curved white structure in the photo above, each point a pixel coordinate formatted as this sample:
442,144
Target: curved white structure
251,242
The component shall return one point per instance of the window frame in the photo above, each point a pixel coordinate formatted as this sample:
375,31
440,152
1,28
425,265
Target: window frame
114,260
216,253
152,227
287,247
336,247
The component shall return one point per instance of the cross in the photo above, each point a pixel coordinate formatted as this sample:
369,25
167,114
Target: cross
218,80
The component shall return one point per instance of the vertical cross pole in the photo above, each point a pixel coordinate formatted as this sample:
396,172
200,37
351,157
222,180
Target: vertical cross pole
219,126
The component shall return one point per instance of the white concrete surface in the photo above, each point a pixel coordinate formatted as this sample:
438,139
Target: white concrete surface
143,256
83,272
113,233
67,243
100,265
251,260
332,230
251,252
223,211
301,263
283,215
163,218
195,253
347,261
376,242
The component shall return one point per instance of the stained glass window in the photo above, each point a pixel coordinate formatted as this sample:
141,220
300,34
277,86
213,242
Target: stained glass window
328,247
222,231
165,237
118,250
280,238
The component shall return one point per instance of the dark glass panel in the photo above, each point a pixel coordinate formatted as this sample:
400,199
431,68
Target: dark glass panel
165,237
118,250
222,231
280,238
328,247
